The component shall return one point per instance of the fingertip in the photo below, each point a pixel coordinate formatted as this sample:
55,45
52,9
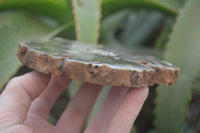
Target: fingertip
128,110
37,75
19,94
142,92
43,104
62,81
33,83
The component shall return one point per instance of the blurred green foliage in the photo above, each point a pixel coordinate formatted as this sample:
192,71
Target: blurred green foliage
167,29
183,50
14,27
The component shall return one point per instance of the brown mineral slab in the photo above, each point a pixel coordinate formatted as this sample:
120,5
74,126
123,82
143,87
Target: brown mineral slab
95,64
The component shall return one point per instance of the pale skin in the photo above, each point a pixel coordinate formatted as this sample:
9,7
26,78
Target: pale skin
26,102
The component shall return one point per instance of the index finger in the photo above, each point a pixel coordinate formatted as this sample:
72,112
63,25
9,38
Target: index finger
128,110
18,95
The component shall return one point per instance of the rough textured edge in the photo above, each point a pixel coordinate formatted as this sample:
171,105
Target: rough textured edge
88,72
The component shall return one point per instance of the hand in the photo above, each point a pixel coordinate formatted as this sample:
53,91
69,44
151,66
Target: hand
27,100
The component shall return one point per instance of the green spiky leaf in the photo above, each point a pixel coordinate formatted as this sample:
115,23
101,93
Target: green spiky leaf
87,16
172,4
183,50
56,9
14,27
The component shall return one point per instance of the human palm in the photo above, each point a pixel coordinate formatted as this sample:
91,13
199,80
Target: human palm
27,100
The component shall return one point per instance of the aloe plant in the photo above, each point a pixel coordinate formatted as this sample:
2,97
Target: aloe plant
163,28
172,101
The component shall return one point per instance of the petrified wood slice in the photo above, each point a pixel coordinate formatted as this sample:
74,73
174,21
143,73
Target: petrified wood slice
95,64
